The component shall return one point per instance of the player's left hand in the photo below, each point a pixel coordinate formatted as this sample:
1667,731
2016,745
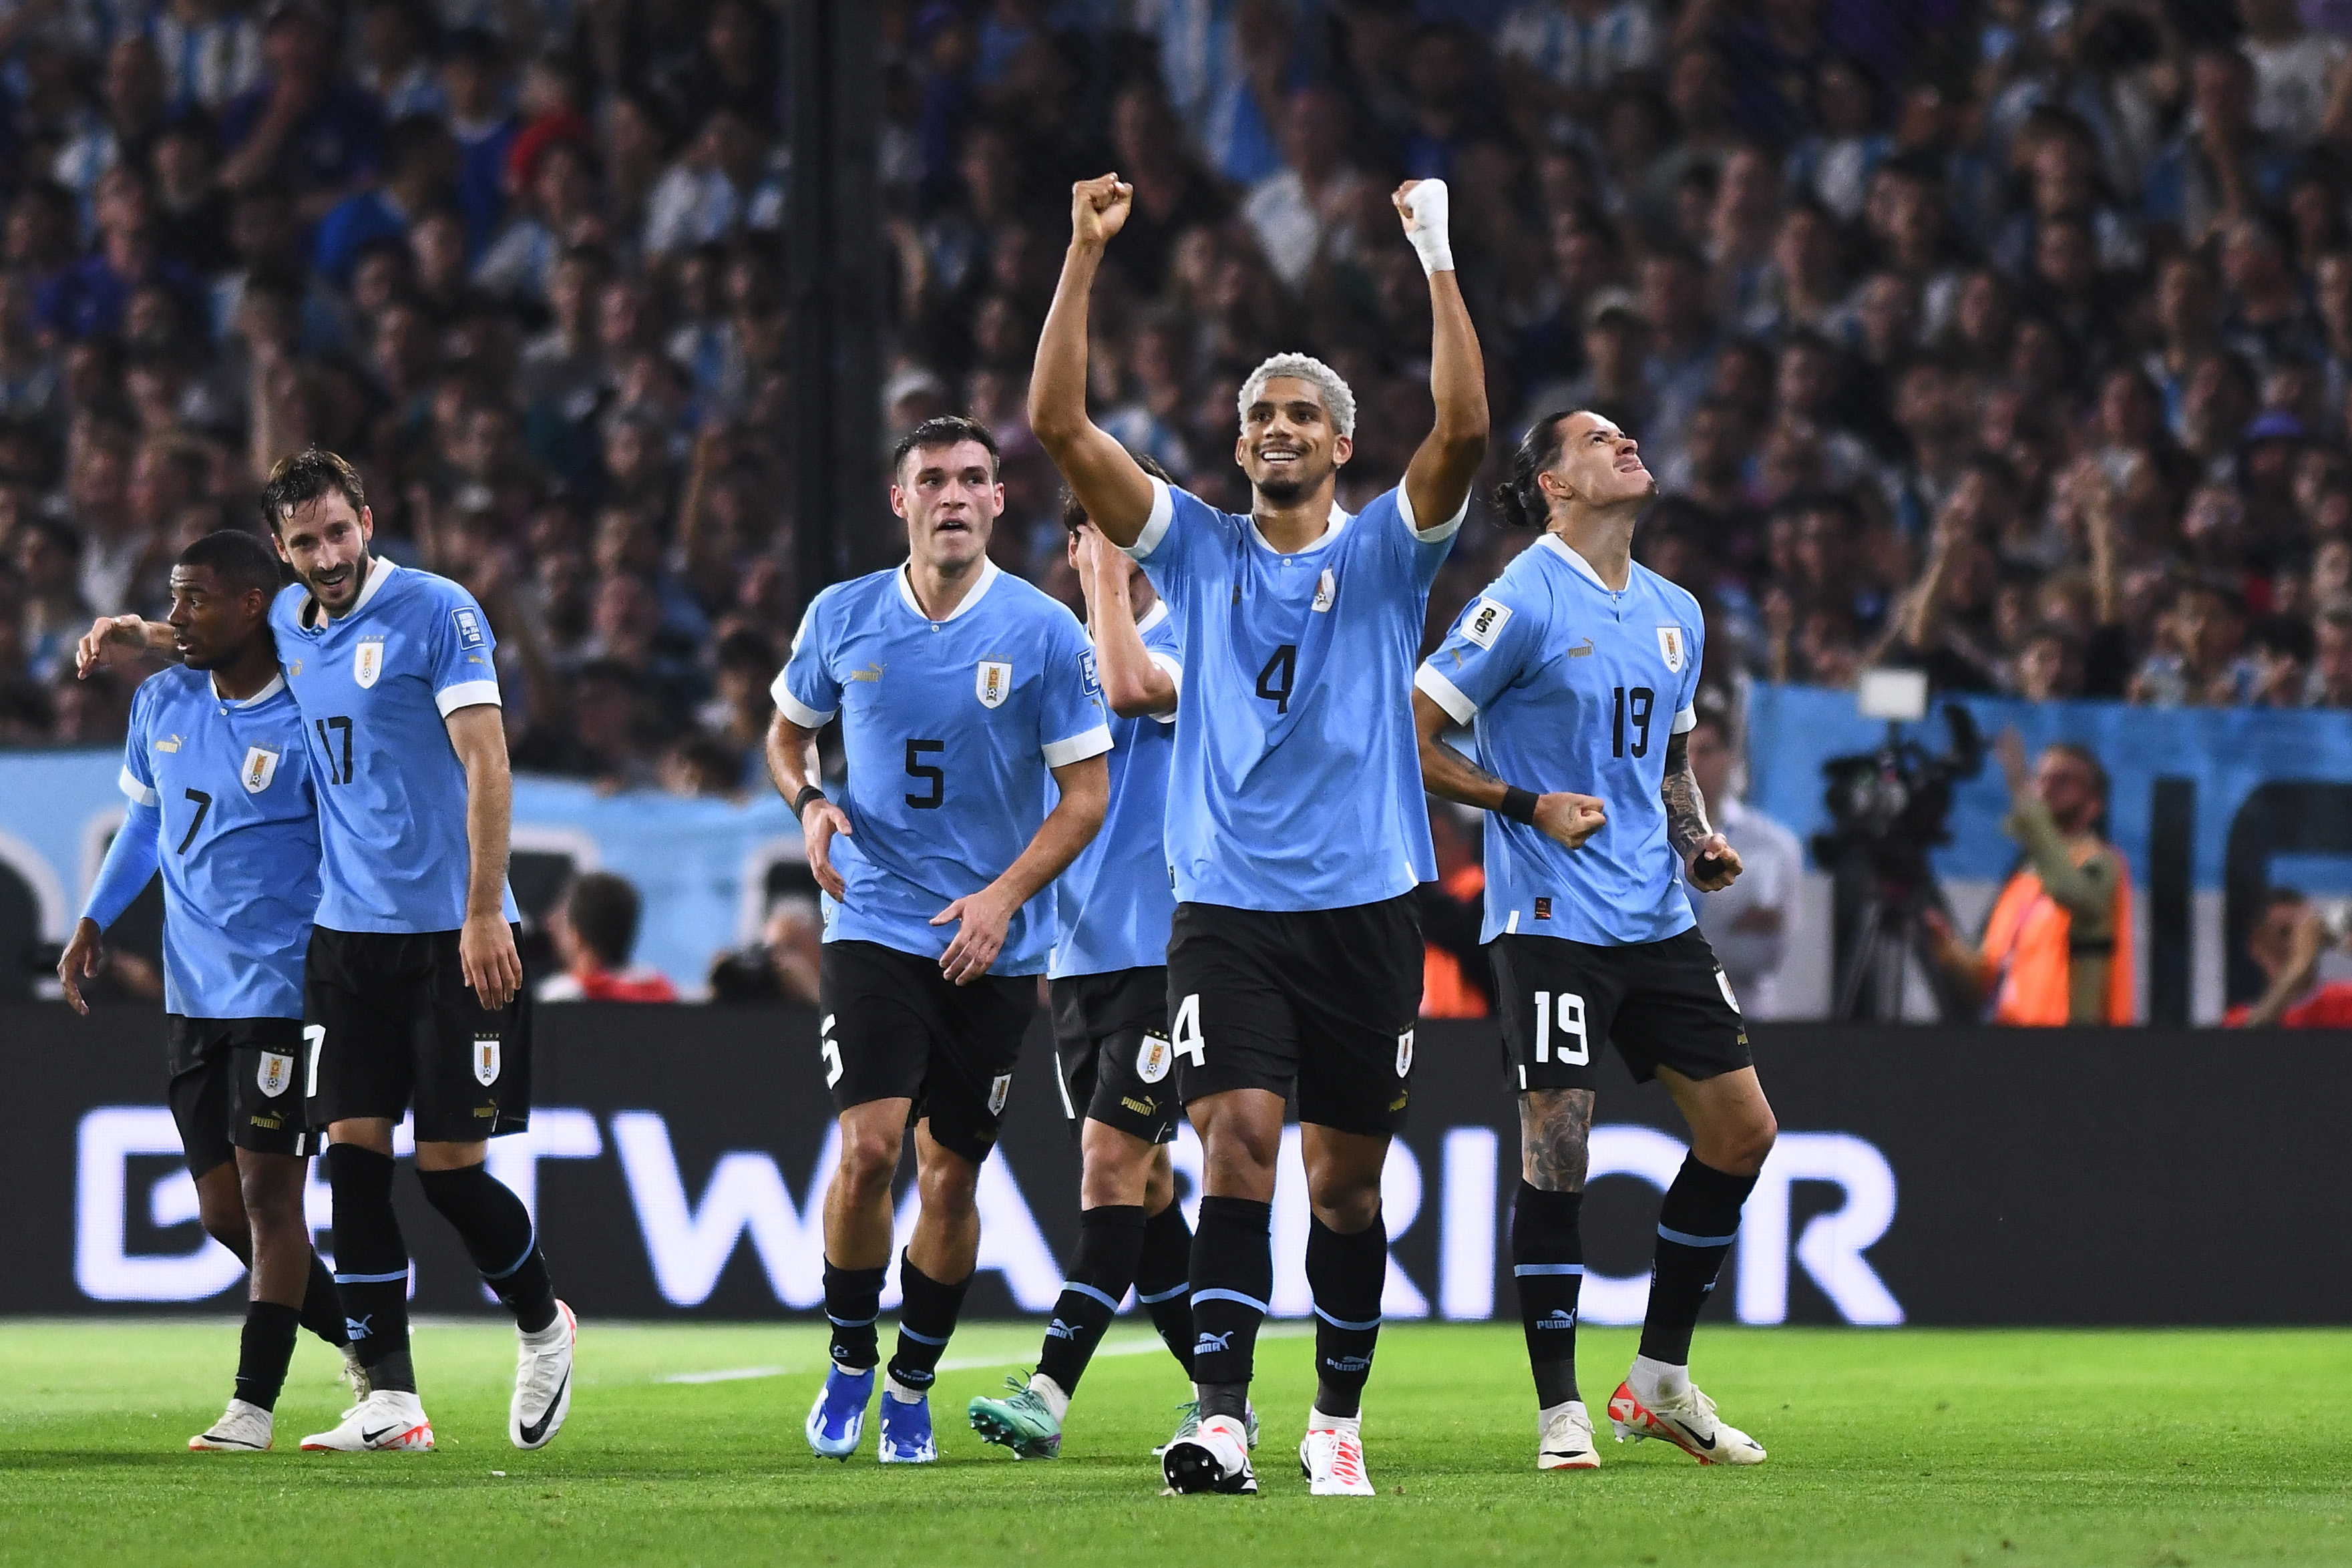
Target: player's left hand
1715,865
487,956
80,961
985,915
2009,747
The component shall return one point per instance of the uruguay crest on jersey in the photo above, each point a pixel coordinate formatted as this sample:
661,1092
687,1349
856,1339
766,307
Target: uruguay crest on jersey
993,682
1670,647
260,767
276,1072
367,662
1154,1059
485,1060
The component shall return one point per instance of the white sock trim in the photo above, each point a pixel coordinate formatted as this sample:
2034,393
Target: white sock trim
1046,1389
900,1392
1657,1378
1316,1421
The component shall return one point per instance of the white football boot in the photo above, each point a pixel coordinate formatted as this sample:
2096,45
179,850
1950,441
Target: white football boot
1566,1443
542,1386
386,1421
1332,1457
1686,1419
241,1428
1214,1459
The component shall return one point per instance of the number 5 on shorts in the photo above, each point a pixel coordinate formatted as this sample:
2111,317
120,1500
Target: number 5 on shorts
1185,1036
1570,1013
832,1050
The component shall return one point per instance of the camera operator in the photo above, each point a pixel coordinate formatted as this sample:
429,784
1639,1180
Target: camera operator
2285,945
2057,947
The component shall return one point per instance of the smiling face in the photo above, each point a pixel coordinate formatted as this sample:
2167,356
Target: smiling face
1598,464
327,545
951,498
211,623
1288,444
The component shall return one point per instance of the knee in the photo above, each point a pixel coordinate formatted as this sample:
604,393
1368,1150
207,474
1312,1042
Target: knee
948,1187
869,1160
1747,1143
1347,1207
272,1208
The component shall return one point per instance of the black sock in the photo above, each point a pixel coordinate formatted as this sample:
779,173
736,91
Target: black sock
1695,1227
1548,1266
370,1264
264,1350
499,1238
1232,1275
322,1309
1346,1274
927,1318
852,1300
1110,1239
1163,1280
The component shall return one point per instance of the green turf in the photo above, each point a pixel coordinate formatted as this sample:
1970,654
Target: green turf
2141,1449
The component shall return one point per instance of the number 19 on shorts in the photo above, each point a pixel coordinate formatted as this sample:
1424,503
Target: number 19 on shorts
1565,1014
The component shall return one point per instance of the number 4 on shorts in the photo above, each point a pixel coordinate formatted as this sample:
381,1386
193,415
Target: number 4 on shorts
1186,1035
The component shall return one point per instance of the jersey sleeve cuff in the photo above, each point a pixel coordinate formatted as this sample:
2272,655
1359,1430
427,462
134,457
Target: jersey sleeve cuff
795,710
1175,673
138,791
1437,535
466,694
1077,748
1685,721
1445,694
1155,527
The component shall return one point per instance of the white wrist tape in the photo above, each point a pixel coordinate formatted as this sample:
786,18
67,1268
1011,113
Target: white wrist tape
1428,203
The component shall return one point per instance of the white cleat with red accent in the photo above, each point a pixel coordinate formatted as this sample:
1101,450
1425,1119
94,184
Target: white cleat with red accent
1567,1440
241,1428
1332,1456
1686,1418
386,1421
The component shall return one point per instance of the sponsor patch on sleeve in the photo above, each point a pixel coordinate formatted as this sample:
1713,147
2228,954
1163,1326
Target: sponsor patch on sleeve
1485,622
469,622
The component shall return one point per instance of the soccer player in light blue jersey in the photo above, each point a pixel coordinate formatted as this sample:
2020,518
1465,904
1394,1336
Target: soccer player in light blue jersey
1295,828
1578,668
222,803
1107,985
967,700
412,993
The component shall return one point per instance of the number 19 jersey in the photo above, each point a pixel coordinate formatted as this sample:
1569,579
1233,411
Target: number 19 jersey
952,729
1297,779
1572,686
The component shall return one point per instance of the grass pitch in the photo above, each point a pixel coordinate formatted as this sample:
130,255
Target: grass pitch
2148,1450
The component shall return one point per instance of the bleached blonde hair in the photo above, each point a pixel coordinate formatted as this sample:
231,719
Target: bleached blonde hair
1337,397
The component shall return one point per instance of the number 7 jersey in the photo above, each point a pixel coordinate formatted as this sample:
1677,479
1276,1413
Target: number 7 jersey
1569,685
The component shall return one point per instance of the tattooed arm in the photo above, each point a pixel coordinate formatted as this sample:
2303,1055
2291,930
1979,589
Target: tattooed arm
1709,859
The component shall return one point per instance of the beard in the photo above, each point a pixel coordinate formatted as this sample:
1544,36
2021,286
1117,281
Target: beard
1281,491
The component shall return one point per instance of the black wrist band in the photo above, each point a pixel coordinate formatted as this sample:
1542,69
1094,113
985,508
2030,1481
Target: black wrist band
808,793
1518,805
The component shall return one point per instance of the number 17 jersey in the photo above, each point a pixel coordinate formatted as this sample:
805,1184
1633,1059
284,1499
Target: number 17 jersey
1570,685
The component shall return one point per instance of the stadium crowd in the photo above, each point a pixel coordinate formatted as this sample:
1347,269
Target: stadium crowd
2008,339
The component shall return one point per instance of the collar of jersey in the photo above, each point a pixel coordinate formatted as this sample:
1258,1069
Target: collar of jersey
277,684
989,573
1560,548
380,570
1341,518
1152,616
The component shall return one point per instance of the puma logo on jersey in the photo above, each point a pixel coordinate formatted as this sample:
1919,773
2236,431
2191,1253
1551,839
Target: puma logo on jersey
1582,650
873,671
171,745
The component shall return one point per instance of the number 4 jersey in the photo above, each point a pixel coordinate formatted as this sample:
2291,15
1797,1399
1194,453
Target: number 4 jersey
238,843
952,729
1572,686
376,686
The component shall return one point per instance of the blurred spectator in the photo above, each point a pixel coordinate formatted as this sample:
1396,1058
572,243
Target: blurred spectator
2057,947
782,965
596,934
2286,945
1748,922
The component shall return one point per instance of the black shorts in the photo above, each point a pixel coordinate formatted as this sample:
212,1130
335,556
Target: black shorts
1111,1052
1662,1003
237,1083
394,1027
1321,1000
894,1027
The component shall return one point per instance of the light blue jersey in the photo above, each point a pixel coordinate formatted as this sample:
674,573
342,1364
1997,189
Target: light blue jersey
952,729
376,688
1573,687
1297,780
1113,905
221,796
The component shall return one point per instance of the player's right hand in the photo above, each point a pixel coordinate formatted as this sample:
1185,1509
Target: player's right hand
1568,819
819,823
81,962
1099,208
108,637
